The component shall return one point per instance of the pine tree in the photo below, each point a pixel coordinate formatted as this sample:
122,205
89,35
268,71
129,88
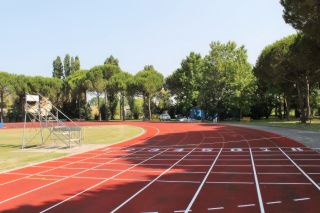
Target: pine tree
57,68
72,70
76,63
67,66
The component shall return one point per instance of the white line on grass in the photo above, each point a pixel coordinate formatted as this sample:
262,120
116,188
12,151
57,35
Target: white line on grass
151,182
257,184
301,170
203,182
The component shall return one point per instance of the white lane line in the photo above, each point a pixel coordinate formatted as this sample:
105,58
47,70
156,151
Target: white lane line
49,184
246,205
151,182
101,182
301,199
273,202
275,183
216,208
203,181
257,183
301,170
222,182
182,211
53,168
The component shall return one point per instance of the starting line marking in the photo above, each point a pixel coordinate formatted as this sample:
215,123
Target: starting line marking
301,199
274,202
246,205
216,208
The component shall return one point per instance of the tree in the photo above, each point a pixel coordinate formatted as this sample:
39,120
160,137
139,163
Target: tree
67,65
5,87
227,81
118,84
78,91
303,15
76,64
112,61
291,63
57,68
149,82
184,83
96,83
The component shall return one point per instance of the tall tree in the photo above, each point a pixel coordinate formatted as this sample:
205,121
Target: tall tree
57,68
5,87
67,65
96,83
291,63
303,15
118,84
112,61
77,63
227,79
72,65
184,83
149,82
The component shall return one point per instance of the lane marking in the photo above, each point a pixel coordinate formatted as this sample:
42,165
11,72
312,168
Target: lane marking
49,184
216,208
301,199
273,202
221,182
182,211
257,183
53,168
101,182
151,182
246,205
301,170
203,182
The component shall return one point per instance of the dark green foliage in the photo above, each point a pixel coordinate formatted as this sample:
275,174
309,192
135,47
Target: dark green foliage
303,15
57,68
67,65
112,61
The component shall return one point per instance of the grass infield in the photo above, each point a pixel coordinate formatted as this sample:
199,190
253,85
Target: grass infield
12,156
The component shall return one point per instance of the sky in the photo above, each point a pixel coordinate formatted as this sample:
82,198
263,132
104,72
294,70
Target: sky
138,32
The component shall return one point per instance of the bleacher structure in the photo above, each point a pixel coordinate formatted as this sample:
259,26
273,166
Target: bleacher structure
52,127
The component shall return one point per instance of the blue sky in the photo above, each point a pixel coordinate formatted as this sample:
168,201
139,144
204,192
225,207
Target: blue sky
137,32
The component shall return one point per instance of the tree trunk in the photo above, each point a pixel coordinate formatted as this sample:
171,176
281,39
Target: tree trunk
308,98
1,104
122,108
303,118
286,107
99,112
149,106
79,104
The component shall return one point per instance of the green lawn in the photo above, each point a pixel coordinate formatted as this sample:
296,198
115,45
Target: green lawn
12,156
295,124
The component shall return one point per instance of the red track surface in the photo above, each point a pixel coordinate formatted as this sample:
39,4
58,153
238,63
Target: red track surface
173,167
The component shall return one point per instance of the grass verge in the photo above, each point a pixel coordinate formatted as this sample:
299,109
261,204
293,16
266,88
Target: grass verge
294,124
11,156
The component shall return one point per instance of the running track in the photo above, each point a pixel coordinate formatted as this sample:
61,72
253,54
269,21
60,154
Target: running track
173,167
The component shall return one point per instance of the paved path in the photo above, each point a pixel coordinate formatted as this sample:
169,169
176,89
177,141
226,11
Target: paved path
309,138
